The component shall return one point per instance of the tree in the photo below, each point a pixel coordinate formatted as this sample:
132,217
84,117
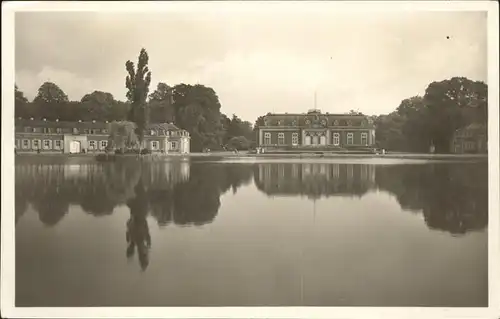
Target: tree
50,93
98,104
137,83
21,104
122,135
453,104
197,110
415,125
161,104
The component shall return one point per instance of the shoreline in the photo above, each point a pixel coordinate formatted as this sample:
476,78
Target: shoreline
244,155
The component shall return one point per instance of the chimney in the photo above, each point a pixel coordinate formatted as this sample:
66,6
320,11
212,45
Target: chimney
57,120
45,120
93,121
79,121
31,118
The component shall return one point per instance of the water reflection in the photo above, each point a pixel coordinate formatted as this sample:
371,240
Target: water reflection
451,197
173,192
314,180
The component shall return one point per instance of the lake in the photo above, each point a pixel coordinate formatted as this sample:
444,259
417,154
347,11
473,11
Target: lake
252,233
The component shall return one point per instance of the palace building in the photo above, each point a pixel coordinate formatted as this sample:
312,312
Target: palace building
315,129
91,137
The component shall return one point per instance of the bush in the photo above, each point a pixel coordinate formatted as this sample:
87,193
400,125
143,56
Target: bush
145,151
238,143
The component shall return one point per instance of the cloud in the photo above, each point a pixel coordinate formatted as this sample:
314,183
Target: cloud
257,62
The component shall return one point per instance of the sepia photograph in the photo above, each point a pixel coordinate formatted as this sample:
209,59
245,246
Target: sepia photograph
225,159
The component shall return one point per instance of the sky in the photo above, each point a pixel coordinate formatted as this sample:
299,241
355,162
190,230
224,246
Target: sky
257,61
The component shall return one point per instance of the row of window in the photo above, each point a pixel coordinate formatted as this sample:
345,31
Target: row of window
58,130
313,140
323,122
26,144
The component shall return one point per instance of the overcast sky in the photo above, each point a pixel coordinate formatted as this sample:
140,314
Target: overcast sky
256,62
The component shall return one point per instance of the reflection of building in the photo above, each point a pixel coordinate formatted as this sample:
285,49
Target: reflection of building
314,179
470,139
166,174
75,137
315,129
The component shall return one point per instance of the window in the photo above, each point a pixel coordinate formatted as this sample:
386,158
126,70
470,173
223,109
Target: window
28,129
350,138
336,139
152,132
57,145
46,130
173,145
155,145
58,130
295,138
104,131
92,145
104,144
281,138
364,139
75,130
47,144
36,144
267,138
26,144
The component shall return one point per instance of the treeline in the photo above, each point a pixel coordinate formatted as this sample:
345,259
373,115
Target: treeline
422,121
195,108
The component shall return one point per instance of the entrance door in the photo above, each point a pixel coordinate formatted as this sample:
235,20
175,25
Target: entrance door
308,140
74,147
323,140
315,140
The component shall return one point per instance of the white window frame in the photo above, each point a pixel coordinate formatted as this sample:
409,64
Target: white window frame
350,138
92,145
336,139
37,144
267,138
58,144
295,138
281,138
103,144
47,144
364,138
26,144
18,143
155,145
173,145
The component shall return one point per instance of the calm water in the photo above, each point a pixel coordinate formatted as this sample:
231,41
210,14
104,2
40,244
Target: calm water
254,234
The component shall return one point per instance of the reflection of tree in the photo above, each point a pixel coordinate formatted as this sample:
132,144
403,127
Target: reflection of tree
314,179
137,234
175,192
452,197
197,200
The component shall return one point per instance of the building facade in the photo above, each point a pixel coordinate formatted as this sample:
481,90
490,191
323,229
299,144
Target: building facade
91,137
315,129
470,139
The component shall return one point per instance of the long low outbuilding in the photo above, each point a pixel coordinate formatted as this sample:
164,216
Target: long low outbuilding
91,137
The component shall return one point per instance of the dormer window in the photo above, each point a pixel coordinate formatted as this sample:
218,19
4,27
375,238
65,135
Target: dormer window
336,122
58,130
152,132
28,129
75,130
